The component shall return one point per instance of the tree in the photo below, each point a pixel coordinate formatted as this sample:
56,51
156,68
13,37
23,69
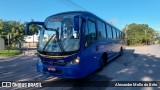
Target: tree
139,34
13,28
34,29
17,32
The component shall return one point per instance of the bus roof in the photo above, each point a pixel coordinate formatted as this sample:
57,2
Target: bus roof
85,13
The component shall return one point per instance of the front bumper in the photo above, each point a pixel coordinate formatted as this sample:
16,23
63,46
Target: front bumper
72,71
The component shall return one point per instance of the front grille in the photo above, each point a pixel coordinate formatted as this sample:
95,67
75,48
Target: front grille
53,63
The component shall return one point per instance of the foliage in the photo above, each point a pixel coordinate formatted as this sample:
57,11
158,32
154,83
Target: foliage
138,34
13,28
34,29
159,40
10,53
16,30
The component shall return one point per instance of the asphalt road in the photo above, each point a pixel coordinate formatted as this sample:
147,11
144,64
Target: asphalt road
137,64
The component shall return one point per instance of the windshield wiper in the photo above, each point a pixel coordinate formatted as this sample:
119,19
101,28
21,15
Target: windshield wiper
60,45
48,42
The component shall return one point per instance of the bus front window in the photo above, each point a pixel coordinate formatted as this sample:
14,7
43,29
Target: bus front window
61,37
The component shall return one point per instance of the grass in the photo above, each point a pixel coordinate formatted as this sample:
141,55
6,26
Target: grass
5,53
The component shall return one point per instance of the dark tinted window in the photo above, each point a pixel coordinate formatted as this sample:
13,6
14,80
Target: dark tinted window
104,30
118,35
101,29
123,35
90,32
114,33
109,31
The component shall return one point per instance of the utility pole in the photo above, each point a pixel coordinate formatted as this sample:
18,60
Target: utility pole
125,31
8,38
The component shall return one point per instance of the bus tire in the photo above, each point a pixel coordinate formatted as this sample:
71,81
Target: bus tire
121,52
103,62
101,65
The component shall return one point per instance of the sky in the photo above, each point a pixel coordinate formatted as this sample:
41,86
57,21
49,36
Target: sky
119,12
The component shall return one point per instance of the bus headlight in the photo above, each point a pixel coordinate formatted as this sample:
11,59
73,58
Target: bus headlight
75,61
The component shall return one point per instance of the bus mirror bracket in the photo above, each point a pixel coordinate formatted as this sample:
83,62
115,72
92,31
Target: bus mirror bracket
86,44
27,31
77,22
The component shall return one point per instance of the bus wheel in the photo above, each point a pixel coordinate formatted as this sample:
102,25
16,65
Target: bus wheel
121,52
102,63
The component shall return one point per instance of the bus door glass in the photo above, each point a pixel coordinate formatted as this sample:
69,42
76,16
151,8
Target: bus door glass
90,50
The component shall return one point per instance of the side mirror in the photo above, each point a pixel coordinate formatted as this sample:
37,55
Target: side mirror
27,31
76,22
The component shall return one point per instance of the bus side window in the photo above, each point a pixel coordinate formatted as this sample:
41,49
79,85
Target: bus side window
109,31
117,34
121,35
90,33
101,30
114,33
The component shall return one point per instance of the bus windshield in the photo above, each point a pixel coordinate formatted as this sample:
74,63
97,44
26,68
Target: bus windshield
61,35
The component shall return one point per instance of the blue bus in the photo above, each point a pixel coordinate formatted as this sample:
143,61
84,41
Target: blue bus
74,44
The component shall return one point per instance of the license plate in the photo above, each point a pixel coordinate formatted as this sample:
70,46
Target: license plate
51,69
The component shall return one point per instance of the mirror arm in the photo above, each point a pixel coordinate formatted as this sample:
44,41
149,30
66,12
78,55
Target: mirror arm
31,23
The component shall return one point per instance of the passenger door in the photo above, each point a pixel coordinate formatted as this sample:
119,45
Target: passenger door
90,50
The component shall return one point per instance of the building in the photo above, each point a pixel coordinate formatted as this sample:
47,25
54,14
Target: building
2,44
31,41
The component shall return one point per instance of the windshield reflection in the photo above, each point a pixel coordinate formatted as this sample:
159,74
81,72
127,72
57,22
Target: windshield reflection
61,38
